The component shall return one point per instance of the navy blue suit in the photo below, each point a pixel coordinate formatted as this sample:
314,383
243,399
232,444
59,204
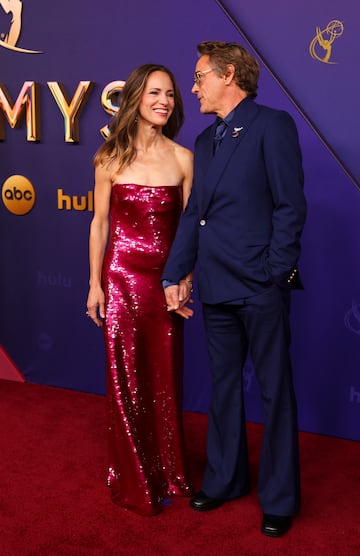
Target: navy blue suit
242,229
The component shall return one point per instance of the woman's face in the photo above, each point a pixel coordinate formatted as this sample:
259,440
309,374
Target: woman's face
157,102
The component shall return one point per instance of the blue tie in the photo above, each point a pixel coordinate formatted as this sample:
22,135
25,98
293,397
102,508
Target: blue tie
219,134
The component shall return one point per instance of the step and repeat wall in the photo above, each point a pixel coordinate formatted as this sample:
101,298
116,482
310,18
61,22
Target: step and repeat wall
62,66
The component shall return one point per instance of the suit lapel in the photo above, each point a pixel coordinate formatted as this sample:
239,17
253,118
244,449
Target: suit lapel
204,159
244,116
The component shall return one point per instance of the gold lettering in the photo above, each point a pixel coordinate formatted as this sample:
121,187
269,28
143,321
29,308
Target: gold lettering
90,201
75,202
71,109
63,200
79,203
107,97
28,98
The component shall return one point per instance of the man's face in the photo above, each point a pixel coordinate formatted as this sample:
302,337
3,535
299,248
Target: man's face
208,87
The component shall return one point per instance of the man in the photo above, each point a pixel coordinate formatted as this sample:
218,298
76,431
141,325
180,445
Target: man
242,227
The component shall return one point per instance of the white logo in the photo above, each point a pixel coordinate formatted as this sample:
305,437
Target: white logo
236,131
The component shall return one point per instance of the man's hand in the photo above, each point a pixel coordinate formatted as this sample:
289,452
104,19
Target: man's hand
176,298
172,297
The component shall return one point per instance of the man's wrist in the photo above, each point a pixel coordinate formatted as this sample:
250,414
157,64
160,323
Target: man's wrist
167,283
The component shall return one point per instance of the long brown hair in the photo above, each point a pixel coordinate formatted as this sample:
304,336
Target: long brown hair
119,145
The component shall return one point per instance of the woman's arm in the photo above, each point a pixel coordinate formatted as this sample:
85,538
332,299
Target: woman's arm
187,161
99,231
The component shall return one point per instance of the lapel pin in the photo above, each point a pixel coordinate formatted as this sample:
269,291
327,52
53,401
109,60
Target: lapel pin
236,131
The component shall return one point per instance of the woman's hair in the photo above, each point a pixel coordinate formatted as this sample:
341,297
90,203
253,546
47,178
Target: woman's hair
221,54
119,145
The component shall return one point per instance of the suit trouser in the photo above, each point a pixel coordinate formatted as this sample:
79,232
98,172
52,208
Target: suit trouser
259,324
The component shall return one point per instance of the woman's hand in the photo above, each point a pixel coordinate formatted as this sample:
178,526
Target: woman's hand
96,305
177,296
185,311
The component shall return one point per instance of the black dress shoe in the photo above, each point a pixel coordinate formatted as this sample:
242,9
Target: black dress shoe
203,503
275,525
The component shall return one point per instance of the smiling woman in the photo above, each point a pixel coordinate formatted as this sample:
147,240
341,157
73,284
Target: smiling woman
158,99
149,81
142,183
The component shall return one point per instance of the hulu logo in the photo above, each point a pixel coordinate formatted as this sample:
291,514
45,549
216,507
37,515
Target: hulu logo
354,396
75,202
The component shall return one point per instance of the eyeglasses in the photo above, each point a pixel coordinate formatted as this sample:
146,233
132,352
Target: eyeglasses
198,75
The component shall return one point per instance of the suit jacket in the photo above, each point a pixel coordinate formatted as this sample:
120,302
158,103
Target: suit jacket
247,209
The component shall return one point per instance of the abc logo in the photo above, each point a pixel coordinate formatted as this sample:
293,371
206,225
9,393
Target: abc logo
18,195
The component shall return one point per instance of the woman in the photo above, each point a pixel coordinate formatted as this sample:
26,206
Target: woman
142,183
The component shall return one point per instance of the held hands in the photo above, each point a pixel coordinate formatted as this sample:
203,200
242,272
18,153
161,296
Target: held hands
177,297
96,305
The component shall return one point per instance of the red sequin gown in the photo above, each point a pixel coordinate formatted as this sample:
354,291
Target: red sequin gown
144,350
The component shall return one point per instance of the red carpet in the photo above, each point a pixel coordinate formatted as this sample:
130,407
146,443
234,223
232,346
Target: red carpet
54,502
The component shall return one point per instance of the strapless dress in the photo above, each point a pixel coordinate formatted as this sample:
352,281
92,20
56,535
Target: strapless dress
144,351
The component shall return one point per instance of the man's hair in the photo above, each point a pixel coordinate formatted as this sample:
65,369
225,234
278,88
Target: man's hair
221,54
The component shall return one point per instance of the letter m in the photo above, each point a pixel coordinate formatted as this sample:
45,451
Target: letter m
27,101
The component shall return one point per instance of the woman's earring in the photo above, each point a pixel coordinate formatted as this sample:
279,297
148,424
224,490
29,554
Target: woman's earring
136,119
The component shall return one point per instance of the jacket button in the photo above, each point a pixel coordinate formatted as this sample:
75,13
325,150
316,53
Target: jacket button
202,222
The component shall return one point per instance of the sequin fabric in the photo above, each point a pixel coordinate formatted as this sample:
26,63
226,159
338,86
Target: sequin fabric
144,350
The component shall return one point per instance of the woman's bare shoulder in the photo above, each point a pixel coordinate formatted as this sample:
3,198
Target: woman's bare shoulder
106,167
182,152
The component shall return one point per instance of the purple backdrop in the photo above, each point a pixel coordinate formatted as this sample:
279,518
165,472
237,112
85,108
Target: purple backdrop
43,282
